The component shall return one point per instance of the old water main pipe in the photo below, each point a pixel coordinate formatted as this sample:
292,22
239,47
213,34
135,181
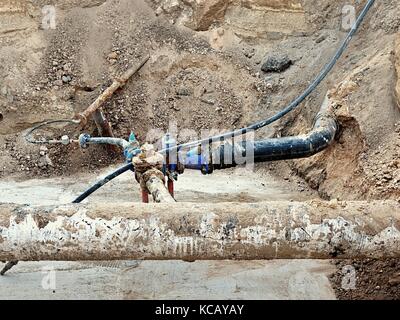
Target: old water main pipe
271,230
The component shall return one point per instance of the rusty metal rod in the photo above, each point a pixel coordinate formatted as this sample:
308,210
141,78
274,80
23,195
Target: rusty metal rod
145,196
104,128
117,83
290,230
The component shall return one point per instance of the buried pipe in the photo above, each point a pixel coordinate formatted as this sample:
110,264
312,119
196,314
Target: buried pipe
229,155
270,230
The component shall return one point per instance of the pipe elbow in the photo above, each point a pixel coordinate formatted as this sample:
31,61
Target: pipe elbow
322,135
302,146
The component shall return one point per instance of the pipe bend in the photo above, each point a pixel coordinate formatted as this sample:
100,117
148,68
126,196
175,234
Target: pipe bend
285,148
301,146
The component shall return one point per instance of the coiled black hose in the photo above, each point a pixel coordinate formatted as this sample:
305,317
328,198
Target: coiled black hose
28,136
258,125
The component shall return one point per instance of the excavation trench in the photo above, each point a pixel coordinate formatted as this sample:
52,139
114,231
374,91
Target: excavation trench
253,229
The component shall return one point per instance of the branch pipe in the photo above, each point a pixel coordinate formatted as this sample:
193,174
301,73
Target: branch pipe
228,155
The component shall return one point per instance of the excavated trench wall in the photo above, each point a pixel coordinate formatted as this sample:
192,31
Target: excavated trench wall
204,73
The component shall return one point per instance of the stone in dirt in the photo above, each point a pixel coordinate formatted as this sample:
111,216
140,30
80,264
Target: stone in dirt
66,79
276,64
183,92
45,161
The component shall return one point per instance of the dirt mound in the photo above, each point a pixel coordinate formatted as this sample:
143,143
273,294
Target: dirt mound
93,43
365,160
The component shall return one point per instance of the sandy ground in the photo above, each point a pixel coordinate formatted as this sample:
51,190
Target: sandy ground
294,279
192,186
283,279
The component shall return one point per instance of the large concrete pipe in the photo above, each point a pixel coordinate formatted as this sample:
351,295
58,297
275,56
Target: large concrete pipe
190,231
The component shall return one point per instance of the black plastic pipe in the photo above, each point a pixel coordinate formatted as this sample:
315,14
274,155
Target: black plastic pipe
230,155
296,147
286,148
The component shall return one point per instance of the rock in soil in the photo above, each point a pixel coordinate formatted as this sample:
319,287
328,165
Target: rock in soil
276,64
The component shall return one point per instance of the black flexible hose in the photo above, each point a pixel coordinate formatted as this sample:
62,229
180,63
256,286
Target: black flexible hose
103,181
258,125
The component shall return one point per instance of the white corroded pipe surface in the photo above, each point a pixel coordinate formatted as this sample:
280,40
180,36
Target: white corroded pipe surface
188,231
